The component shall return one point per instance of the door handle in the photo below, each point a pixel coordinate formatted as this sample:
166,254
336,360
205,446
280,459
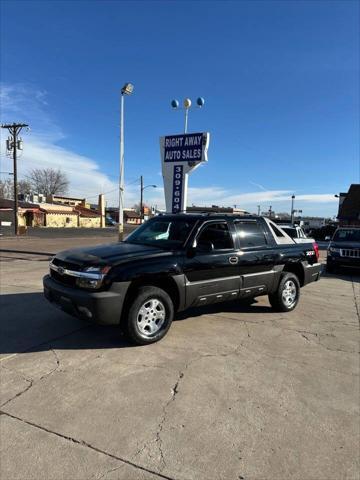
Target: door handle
233,260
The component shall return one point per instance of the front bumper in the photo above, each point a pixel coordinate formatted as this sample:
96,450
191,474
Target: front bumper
312,273
99,307
338,261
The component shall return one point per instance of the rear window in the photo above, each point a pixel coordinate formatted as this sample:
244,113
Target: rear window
290,231
251,234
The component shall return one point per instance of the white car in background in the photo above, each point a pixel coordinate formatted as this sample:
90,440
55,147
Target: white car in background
296,233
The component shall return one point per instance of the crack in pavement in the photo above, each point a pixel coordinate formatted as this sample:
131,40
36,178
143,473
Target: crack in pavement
286,360
158,439
102,475
31,381
357,306
46,342
87,445
174,392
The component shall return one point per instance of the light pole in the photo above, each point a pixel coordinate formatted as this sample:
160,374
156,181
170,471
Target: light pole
142,188
258,207
292,208
187,104
127,89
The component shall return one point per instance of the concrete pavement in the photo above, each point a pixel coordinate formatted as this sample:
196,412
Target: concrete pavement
233,392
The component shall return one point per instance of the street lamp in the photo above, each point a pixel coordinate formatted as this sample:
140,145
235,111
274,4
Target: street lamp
127,89
292,208
142,188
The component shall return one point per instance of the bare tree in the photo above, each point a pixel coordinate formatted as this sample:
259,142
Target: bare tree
7,188
48,181
24,187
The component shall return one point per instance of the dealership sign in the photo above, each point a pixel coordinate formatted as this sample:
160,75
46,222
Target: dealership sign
180,155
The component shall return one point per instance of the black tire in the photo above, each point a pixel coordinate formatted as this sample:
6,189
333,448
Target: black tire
138,327
282,303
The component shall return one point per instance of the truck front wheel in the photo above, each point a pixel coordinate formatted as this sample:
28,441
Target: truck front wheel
287,295
149,316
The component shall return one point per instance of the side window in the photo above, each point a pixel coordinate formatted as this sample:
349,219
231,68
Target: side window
251,234
215,236
276,230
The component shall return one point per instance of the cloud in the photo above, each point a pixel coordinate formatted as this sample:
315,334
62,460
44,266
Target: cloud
258,185
41,150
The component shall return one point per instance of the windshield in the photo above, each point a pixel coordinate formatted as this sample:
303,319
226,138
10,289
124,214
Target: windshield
348,235
168,233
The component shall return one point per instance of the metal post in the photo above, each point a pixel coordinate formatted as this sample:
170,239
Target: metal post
121,179
292,208
141,199
186,119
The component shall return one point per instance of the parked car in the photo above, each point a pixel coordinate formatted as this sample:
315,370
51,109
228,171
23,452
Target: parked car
344,249
296,233
109,222
173,262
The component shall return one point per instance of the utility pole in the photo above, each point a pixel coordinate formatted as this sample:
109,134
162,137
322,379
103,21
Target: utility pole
14,144
141,198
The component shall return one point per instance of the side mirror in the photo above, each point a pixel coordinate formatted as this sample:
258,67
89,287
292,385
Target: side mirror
327,238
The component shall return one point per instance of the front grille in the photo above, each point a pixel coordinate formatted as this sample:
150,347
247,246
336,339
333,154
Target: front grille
68,265
64,279
350,252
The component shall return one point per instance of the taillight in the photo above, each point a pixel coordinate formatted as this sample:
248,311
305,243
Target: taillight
316,250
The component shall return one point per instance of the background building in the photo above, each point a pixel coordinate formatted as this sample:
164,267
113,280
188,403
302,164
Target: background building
349,206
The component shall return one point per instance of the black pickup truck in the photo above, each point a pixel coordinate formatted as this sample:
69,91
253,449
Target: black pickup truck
173,262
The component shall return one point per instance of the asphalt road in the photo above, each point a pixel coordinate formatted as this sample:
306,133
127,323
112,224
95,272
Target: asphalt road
232,392
68,232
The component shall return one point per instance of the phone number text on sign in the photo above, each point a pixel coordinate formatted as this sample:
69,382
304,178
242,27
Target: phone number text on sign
177,188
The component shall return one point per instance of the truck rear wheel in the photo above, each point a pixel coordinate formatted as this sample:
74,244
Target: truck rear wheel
287,295
149,316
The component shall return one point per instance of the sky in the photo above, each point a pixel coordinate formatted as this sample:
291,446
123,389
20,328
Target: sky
280,81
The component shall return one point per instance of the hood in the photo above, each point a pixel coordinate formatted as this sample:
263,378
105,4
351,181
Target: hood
337,244
108,254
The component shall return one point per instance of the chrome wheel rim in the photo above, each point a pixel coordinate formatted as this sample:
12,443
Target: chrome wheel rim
151,317
289,293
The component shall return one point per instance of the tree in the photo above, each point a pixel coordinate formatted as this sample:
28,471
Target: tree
24,187
48,181
7,188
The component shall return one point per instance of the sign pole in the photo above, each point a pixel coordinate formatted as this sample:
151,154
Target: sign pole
186,119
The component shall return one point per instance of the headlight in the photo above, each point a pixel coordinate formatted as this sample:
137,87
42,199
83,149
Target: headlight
333,250
92,277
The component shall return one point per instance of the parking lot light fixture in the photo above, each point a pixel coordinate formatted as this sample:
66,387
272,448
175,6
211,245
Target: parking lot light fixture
127,89
187,105
292,208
